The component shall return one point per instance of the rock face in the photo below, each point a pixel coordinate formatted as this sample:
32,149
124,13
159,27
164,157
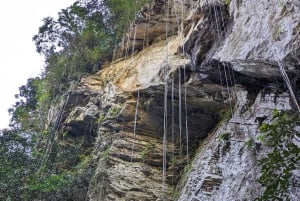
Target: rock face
228,169
186,72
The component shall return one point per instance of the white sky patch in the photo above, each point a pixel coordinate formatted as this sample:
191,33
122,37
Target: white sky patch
19,22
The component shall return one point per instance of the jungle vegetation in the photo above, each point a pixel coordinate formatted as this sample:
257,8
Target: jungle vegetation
74,45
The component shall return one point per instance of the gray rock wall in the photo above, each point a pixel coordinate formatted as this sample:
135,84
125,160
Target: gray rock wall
228,169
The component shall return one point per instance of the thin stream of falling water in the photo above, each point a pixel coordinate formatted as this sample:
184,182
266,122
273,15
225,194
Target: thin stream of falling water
146,33
228,77
133,44
165,133
123,42
231,77
138,89
114,55
217,22
179,32
165,138
51,137
165,103
230,92
286,79
138,86
135,122
177,13
173,111
179,82
288,83
128,41
186,122
101,116
219,31
173,123
185,86
99,124
180,111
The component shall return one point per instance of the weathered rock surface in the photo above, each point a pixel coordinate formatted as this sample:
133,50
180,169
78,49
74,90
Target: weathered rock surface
276,32
153,23
263,34
228,169
216,58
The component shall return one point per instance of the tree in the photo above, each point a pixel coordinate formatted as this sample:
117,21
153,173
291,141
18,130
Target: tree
122,13
15,164
40,167
73,44
25,105
277,166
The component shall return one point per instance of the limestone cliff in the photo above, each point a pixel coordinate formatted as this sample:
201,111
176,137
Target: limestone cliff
186,72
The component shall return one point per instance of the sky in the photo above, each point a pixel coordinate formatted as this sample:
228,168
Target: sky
19,22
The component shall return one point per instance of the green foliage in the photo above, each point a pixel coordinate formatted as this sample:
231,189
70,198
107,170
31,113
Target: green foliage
49,168
261,138
123,13
51,183
63,156
175,194
101,119
105,153
71,45
174,160
84,36
147,150
114,111
276,167
144,153
249,143
65,170
187,168
15,164
281,3
224,136
26,104
225,114
227,2
277,33
42,93
27,173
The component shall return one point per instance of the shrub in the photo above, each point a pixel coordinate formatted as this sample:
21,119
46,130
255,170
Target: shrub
277,166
